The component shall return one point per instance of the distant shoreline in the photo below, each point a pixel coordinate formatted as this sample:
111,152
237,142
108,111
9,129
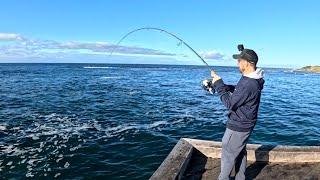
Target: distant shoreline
311,69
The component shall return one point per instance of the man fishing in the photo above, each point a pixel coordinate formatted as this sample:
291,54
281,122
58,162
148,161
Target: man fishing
242,101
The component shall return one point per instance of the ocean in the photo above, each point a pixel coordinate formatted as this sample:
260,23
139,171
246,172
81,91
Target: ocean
112,121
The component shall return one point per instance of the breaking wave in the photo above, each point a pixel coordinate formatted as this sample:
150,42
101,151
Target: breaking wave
99,67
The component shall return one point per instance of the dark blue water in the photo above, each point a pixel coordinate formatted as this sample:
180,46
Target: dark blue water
120,121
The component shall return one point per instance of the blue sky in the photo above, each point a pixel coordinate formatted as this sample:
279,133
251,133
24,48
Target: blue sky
283,33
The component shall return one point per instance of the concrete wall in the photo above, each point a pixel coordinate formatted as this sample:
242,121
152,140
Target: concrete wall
263,153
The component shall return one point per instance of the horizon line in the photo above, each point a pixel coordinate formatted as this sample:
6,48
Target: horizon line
263,66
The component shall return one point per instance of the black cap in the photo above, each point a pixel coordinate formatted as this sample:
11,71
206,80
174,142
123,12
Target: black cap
247,54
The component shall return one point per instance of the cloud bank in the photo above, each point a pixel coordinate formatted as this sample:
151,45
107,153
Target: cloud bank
25,47
16,46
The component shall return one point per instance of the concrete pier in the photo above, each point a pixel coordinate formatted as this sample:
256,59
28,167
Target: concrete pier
200,159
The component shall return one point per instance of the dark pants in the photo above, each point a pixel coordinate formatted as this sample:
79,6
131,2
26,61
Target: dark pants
234,154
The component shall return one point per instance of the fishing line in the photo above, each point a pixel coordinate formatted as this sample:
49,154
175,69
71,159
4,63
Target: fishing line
166,32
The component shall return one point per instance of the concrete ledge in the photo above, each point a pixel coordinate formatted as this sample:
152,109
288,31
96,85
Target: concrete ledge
263,153
175,163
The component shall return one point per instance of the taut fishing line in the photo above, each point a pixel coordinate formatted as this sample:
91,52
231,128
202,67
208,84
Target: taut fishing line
166,32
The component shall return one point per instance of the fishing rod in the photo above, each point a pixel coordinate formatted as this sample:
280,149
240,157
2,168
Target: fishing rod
164,31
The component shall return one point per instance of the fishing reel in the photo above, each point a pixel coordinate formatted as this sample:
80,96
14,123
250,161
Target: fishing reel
208,86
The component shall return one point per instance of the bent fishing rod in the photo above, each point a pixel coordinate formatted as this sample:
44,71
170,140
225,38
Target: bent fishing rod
166,32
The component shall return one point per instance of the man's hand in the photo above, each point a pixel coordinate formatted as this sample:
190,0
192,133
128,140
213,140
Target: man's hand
214,76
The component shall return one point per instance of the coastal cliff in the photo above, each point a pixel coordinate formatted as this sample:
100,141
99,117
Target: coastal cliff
313,69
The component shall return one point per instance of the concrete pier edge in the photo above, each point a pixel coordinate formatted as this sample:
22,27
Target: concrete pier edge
176,162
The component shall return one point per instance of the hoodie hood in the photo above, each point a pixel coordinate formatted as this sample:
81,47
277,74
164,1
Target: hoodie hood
258,74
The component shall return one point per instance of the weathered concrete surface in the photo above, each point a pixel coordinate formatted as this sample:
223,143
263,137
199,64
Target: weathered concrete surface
202,167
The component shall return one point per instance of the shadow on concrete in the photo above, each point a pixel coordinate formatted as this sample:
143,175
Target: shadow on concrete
261,153
197,169
196,166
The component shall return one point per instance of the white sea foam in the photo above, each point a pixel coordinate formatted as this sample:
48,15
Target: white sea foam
121,129
57,131
31,162
3,127
15,128
110,77
75,148
66,165
59,160
131,93
35,138
98,67
157,124
29,174
56,175
23,161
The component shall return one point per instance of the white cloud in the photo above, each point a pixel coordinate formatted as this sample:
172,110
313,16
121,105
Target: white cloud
11,37
215,55
106,47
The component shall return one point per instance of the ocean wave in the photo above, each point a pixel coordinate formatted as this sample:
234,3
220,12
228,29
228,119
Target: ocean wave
120,130
110,77
3,127
99,67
